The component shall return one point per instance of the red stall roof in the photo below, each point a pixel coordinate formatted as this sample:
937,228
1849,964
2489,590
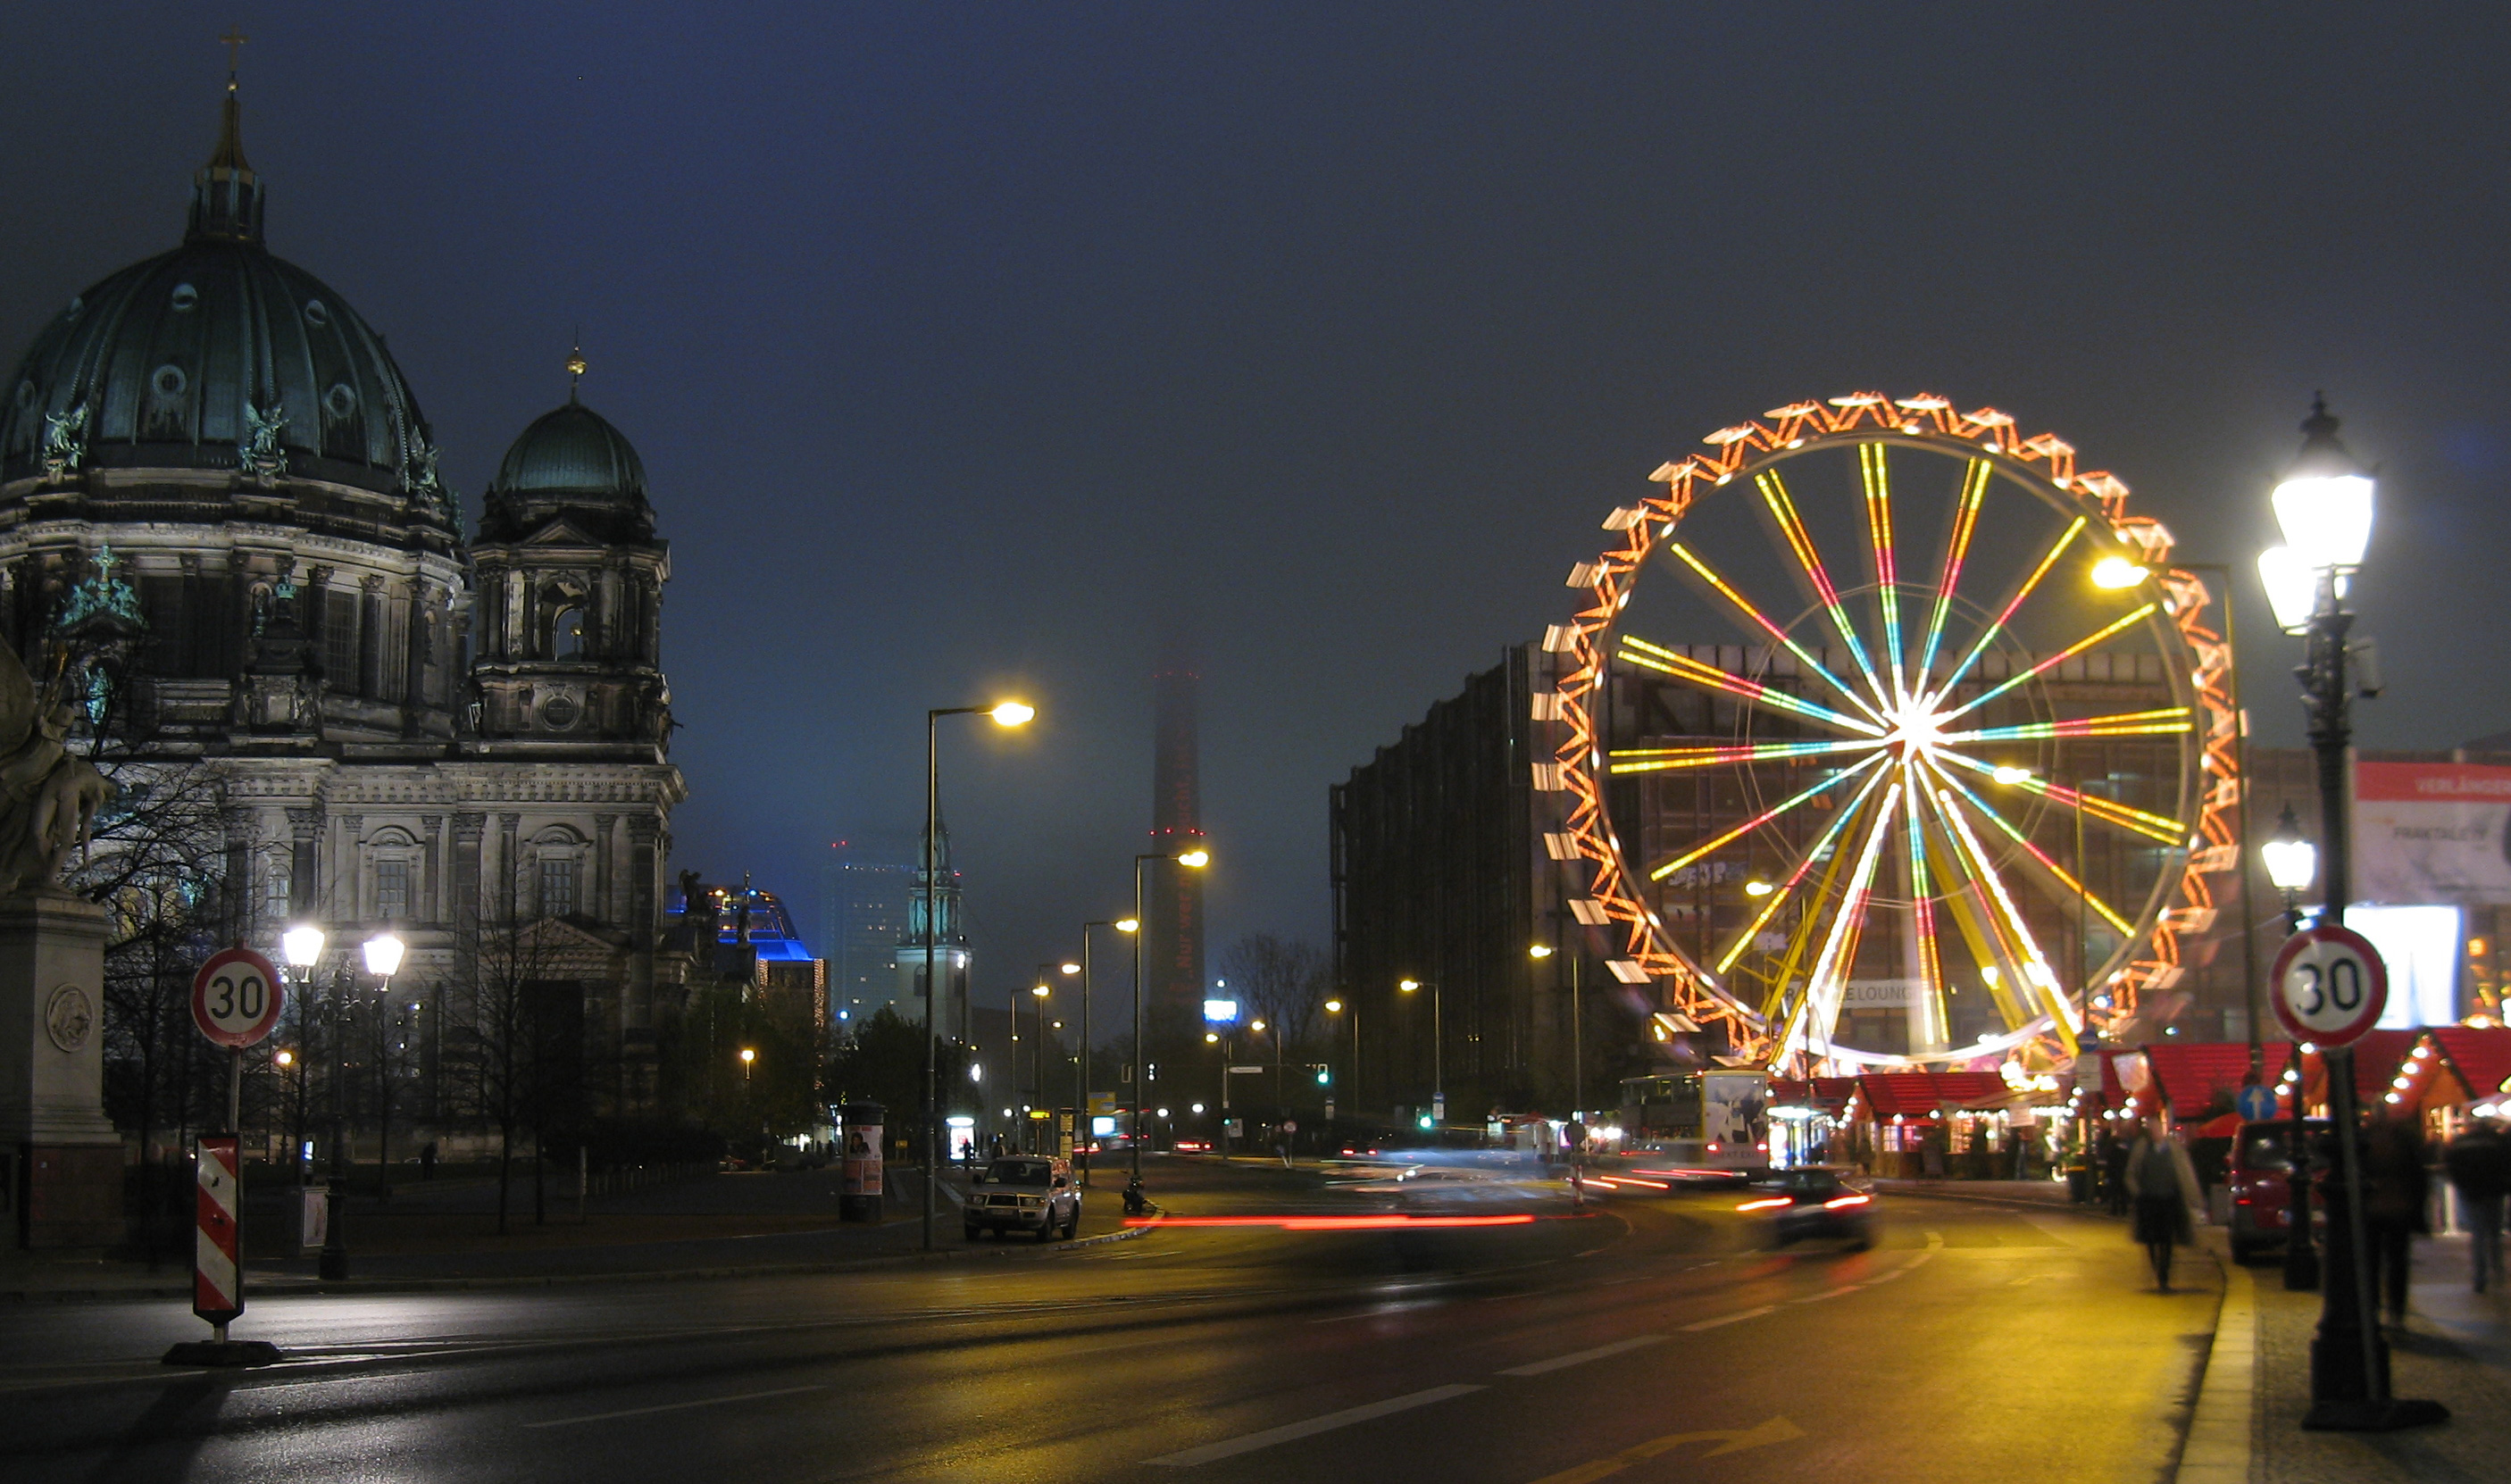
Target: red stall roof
1916,1094
2481,1056
2191,1076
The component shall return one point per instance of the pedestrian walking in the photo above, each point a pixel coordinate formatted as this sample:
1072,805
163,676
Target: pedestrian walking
2478,1163
2162,1185
2114,1173
2396,1190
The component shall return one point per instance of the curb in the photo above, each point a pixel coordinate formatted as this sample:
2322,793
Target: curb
263,1286
2221,1428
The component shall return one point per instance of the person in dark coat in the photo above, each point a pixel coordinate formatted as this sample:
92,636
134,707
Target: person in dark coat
2395,1192
2114,1172
2478,1163
2162,1184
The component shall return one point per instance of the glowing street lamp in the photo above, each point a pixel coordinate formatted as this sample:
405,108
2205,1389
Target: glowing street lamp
2291,862
1194,859
749,1059
2118,572
1438,1049
1005,713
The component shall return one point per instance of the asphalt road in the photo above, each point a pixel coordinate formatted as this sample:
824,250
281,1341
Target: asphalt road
1652,1337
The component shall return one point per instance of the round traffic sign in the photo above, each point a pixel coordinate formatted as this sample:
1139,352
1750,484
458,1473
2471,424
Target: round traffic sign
236,998
2256,1104
2330,985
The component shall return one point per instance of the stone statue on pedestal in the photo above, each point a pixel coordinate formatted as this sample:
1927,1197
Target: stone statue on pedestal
61,1156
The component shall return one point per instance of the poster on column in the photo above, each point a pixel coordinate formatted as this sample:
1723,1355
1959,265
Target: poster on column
2432,834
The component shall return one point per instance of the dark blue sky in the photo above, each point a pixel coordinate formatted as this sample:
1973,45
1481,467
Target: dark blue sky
983,347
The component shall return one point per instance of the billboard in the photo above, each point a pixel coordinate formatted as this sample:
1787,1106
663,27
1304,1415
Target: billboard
2432,833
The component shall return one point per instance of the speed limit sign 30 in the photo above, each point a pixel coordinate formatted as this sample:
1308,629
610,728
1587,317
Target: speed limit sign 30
236,998
2330,985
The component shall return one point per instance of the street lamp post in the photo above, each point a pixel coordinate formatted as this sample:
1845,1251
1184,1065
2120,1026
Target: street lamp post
1336,1007
1082,1074
1040,991
1438,1054
302,947
1578,1033
1008,713
2324,506
1194,859
2292,862
383,954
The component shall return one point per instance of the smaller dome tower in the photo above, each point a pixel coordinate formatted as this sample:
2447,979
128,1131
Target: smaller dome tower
568,617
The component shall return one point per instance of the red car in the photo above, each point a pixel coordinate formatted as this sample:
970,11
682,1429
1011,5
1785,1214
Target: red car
2260,1175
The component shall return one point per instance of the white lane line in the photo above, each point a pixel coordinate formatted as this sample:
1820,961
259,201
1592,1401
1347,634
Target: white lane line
678,1406
1733,1318
1834,1293
1235,1446
1559,1362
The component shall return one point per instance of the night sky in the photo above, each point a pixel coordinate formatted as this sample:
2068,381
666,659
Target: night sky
976,348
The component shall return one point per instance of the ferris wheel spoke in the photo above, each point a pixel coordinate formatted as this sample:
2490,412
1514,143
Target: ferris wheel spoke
1819,850
2042,981
1829,980
1782,509
1956,550
1665,759
1877,475
1988,634
2011,831
2157,723
1657,657
1821,787
2107,631
1922,919
1803,656
2161,828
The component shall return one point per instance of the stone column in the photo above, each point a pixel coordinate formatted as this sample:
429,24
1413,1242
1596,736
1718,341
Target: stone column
431,901
51,1072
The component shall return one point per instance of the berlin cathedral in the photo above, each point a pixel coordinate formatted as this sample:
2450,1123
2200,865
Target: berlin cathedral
409,725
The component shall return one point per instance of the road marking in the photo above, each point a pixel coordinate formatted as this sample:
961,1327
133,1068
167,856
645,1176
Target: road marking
1935,1240
1581,1357
678,1406
1778,1430
1733,1318
1832,1294
1235,1446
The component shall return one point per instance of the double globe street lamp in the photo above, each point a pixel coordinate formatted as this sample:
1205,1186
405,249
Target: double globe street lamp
302,947
2324,507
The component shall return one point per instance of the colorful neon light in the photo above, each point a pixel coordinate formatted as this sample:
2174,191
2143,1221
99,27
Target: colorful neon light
1824,786
1956,546
1803,656
1774,494
1654,657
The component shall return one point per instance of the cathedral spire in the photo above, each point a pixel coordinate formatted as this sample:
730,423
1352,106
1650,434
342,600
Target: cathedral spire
226,194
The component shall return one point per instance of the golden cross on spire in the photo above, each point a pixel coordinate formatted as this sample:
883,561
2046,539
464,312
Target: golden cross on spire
233,41
575,366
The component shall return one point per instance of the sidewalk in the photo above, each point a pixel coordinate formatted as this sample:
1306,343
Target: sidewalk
2455,1349
2003,1191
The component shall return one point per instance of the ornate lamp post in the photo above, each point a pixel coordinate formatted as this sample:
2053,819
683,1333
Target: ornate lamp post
1008,713
2324,506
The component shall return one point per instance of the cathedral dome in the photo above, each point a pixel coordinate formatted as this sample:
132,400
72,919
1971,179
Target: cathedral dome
216,355
572,451
569,463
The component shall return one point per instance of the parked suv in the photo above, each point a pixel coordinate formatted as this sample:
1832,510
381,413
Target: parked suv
2260,1176
1025,1193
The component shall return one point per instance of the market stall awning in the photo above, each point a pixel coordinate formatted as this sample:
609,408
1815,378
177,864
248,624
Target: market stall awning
1921,1094
2197,1078
2478,1056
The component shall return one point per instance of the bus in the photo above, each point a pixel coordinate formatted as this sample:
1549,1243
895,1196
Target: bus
1714,1121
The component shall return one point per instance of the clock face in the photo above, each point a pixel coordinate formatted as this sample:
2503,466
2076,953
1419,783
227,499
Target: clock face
561,712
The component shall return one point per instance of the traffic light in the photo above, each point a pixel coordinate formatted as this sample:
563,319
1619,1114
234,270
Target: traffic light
1325,1078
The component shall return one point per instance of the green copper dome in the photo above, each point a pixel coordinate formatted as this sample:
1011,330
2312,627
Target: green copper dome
218,355
570,463
574,451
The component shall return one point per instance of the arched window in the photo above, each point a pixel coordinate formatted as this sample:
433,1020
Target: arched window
567,635
392,867
559,887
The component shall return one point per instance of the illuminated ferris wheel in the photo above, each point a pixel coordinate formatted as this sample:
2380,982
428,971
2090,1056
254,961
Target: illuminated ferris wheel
1890,739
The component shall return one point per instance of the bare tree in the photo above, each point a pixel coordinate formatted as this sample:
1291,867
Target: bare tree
1284,980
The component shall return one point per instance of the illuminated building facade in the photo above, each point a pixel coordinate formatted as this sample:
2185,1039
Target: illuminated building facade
451,733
